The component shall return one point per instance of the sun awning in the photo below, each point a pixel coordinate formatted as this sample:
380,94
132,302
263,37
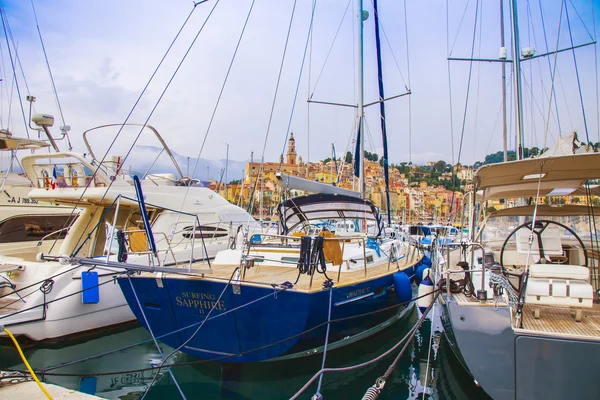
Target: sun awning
545,210
521,178
322,207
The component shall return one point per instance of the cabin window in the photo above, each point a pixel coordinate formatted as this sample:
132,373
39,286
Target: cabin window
28,228
204,232
369,259
290,259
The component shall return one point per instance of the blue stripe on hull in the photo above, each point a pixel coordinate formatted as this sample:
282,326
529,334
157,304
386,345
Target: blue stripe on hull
185,303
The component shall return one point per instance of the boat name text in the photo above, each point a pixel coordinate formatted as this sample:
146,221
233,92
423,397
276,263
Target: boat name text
201,301
358,292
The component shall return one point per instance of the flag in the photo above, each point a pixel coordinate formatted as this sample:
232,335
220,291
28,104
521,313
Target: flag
54,177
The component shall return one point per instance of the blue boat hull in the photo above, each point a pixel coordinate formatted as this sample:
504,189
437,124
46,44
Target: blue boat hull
257,324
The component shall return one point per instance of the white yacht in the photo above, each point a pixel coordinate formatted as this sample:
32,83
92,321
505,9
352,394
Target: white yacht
50,297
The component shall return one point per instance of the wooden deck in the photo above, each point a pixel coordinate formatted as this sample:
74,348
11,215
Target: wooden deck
263,275
560,321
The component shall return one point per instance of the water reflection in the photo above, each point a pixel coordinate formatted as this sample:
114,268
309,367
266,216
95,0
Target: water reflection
434,372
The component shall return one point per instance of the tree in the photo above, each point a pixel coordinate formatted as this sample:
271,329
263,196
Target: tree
326,161
348,158
439,166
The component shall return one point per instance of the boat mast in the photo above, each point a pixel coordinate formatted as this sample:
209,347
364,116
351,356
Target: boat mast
361,131
517,79
503,46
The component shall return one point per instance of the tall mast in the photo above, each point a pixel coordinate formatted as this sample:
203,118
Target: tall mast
385,156
361,153
502,45
517,79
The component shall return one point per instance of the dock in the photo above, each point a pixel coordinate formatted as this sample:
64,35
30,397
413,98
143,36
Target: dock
27,390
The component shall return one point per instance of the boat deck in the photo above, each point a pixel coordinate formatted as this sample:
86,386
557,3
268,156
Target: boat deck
560,321
276,275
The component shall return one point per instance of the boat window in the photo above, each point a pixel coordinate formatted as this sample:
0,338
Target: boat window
27,228
369,259
290,259
204,232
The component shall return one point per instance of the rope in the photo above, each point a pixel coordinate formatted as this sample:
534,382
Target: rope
429,352
155,343
587,136
12,63
201,361
62,117
503,282
45,303
189,339
137,102
318,393
407,338
287,40
308,41
35,378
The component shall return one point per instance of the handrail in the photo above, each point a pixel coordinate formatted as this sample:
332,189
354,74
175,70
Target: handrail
159,137
52,233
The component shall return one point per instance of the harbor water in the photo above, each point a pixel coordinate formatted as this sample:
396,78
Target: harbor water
428,369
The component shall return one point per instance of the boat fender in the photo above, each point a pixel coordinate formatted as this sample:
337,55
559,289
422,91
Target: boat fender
425,292
419,273
426,261
402,287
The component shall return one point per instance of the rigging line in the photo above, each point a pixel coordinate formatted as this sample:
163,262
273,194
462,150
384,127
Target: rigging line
464,121
582,22
494,129
40,282
596,72
409,85
531,138
287,39
318,392
449,50
449,82
429,351
12,62
202,361
308,41
553,74
62,117
218,102
549,63
587,135
46,303
311,93
137,102
157,347
406,339
388,42
529,85
310,52
478,81
191,336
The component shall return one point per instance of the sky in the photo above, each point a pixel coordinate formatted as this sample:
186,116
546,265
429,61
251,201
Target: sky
103,54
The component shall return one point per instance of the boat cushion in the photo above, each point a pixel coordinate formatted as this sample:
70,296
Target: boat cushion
559,271
559,292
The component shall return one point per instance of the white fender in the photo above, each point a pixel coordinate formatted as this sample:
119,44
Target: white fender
425,292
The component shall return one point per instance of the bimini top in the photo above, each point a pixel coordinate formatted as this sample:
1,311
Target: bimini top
554,176
545,210
299,210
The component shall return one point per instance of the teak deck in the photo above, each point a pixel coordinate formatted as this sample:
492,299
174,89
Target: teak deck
556,320
276,275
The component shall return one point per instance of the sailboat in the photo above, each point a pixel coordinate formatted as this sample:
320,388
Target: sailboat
520,305
292,294
51,295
